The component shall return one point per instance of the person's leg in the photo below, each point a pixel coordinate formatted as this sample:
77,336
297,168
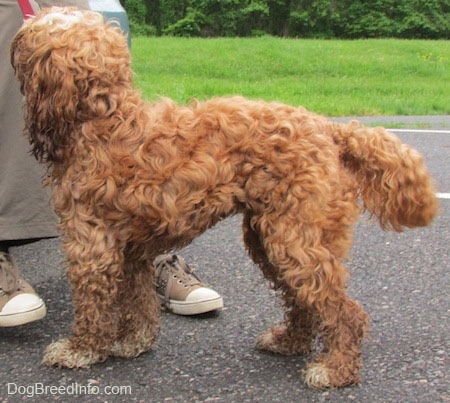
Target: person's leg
25,211
24,205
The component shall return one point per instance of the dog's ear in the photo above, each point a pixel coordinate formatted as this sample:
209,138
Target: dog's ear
51,98
70,74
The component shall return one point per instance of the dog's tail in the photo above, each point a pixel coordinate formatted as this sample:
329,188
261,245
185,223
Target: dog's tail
393,181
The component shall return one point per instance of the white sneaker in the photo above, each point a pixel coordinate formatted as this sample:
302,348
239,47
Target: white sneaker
180,290
19,304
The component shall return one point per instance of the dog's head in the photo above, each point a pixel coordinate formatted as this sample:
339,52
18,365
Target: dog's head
72,68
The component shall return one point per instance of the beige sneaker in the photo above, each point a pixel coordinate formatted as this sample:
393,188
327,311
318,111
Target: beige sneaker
19,304
180,290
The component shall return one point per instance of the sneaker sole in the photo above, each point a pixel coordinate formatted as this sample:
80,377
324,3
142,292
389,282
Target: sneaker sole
22,318
194,308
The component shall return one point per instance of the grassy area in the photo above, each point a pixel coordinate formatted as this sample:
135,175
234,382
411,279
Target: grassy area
336,78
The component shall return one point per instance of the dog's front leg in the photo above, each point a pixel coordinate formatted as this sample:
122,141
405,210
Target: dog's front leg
95,272
139,314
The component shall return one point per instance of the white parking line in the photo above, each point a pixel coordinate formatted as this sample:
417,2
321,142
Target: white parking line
419,131
443,195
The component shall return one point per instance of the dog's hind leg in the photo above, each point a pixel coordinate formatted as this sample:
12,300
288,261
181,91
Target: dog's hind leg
343,326
296,334
313,279
139,310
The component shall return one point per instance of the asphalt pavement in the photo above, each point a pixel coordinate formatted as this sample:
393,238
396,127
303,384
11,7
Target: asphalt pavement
401,279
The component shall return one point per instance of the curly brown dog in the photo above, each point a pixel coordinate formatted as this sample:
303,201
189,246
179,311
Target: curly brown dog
133,180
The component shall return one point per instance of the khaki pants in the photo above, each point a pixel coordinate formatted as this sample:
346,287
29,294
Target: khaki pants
25,210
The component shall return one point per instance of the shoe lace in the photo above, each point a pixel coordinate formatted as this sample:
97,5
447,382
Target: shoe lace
177,268
9,273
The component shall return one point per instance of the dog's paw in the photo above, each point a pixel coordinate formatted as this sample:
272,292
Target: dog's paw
62,354
136,343
126,350
317,376
277,340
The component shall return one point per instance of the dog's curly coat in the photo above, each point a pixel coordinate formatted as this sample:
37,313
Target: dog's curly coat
132,180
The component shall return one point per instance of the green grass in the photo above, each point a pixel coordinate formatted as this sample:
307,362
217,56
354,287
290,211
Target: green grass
336,78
